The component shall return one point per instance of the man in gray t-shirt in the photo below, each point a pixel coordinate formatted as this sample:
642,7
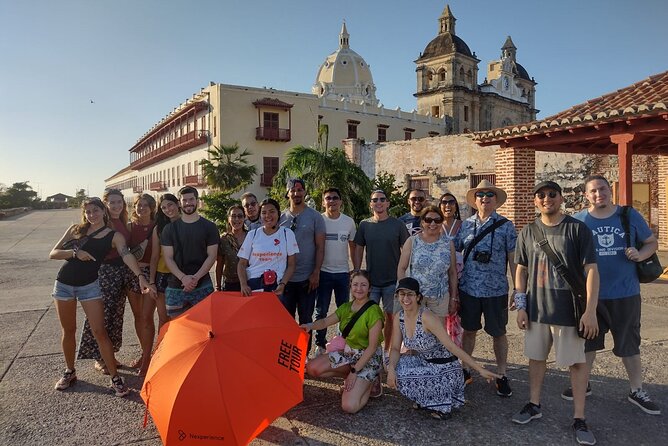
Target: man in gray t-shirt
545,304
382,236
309,228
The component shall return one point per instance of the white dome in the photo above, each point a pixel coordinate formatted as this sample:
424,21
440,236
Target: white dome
345,75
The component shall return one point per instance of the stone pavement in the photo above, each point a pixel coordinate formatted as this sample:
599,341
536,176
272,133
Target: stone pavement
32,413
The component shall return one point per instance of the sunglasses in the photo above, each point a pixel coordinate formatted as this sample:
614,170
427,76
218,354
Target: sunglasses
293,226
430,220
450,202
332,198
488,194
551,194
420,199
381,199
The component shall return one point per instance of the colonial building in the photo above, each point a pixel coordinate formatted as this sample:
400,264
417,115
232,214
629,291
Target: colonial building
268,122
447,84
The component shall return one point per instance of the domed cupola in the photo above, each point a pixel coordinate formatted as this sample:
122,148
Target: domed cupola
446,42
345,76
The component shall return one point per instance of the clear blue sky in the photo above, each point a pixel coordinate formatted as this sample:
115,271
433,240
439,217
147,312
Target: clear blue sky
138,59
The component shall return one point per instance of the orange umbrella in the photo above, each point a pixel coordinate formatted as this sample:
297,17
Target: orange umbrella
225,369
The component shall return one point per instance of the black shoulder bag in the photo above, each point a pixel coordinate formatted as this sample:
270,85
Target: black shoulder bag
577,291
649,269
482,235
356,316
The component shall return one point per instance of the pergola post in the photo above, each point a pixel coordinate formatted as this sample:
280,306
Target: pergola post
625,153
663,205
516,174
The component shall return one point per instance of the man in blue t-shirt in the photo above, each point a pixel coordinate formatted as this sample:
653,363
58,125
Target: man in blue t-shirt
619,297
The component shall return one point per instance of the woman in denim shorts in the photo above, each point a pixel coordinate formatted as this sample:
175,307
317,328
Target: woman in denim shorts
83,247
168,211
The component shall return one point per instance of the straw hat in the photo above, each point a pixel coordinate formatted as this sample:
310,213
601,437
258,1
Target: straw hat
486,185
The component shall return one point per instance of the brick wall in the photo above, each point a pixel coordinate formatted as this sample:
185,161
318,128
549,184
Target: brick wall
516,173
662,197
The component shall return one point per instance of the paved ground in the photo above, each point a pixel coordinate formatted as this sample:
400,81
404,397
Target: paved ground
32,413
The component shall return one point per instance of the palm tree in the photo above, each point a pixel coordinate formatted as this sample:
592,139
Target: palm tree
227,169
321,169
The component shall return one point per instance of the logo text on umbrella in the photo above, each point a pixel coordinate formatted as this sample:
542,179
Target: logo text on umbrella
289,356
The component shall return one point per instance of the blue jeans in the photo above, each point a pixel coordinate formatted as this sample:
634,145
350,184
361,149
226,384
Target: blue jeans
340,284
297,298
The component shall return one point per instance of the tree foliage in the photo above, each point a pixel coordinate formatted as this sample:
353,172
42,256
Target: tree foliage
398,196
78,198
321,169
228,169
18,195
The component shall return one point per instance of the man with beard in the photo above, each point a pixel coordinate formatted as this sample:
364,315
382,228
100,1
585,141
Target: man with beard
416,201
252,211
189,246
309,228
619,301
544,301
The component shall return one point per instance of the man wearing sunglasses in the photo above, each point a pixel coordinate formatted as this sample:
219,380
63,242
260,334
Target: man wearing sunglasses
309,228
544,301
488,242
382,236
416,201
252,211
339,249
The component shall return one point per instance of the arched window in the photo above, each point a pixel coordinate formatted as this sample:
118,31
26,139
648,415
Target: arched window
441,75
469,77
461,74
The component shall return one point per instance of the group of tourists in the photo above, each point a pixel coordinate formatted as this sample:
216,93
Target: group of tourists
424,269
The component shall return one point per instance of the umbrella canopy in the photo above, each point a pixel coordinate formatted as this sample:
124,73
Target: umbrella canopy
225,369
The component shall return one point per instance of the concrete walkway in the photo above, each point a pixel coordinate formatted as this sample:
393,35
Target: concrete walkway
32,413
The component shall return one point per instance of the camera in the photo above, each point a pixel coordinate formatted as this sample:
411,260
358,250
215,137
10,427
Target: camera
482,256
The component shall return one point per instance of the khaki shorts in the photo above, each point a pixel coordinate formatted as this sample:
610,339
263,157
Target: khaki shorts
568,347
437,306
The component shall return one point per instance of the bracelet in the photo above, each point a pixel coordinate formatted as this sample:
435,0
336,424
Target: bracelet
521,301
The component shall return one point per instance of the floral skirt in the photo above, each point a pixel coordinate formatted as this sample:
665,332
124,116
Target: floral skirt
351,356
114,280
437,387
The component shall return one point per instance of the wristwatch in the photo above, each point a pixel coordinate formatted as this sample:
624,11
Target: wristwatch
352,370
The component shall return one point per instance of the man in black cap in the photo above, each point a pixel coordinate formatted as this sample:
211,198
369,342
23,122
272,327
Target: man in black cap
544,301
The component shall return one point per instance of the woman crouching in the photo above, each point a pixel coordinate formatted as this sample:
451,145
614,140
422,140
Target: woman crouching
358,359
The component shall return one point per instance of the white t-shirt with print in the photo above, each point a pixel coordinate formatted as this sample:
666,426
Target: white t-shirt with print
268,252
339,232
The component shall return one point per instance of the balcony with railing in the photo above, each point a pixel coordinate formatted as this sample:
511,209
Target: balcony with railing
170,148
272,134
194,180
157,186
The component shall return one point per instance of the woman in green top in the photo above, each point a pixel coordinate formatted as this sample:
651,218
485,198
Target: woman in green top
361,360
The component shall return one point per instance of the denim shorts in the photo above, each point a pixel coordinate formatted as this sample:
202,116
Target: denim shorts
177,300
385,294
81,293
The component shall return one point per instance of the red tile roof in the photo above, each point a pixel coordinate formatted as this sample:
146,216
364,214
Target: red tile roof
647,97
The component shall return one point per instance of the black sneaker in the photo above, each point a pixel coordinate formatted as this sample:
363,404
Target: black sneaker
118,386
582,434
641,399
502,387
468,379
568,393
529,412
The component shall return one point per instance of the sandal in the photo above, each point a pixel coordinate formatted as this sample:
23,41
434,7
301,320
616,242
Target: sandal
416,406
101,367
439,415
